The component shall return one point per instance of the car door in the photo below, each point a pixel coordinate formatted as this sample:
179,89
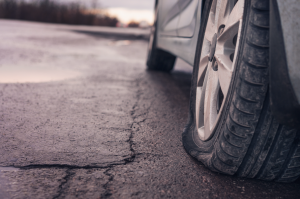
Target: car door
187,19
175,36
169,14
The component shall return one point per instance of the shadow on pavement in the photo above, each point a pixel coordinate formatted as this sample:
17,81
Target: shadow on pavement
175,80
183,80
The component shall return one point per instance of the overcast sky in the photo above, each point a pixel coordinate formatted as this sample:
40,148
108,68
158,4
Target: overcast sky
135,4
132,4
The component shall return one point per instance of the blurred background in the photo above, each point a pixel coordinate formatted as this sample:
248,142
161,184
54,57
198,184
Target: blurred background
113,13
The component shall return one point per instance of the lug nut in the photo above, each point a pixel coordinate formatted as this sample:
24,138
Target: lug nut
221,29
214,65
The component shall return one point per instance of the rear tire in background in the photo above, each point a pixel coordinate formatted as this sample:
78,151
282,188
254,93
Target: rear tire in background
158,59
231,129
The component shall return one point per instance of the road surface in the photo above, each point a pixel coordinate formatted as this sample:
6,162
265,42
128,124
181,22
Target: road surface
80,117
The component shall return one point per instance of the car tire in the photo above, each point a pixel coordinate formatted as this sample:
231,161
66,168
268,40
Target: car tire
158,59
246,140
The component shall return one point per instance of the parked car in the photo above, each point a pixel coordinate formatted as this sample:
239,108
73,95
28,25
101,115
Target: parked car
244,114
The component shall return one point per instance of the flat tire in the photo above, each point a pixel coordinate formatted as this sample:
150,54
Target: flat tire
231,129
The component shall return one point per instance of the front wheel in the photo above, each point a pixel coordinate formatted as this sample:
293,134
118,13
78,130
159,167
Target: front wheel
231,128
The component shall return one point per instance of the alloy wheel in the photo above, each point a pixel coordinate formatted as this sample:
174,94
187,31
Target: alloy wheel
217,62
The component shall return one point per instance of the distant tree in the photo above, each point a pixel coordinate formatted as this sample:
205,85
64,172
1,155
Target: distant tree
133,24
54,12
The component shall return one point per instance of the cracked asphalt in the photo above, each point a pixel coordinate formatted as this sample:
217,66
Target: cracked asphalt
80,117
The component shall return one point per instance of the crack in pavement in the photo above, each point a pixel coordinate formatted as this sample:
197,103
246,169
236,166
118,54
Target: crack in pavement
66,166
131,159
69,175
107,192
71,169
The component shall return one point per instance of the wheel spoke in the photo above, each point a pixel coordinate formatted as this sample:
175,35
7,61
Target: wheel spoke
231,14
200,99
236,14
199,108
202,65
210,27
210,103
203,61
224,72
220,11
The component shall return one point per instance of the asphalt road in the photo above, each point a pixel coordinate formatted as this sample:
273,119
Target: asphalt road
80,117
